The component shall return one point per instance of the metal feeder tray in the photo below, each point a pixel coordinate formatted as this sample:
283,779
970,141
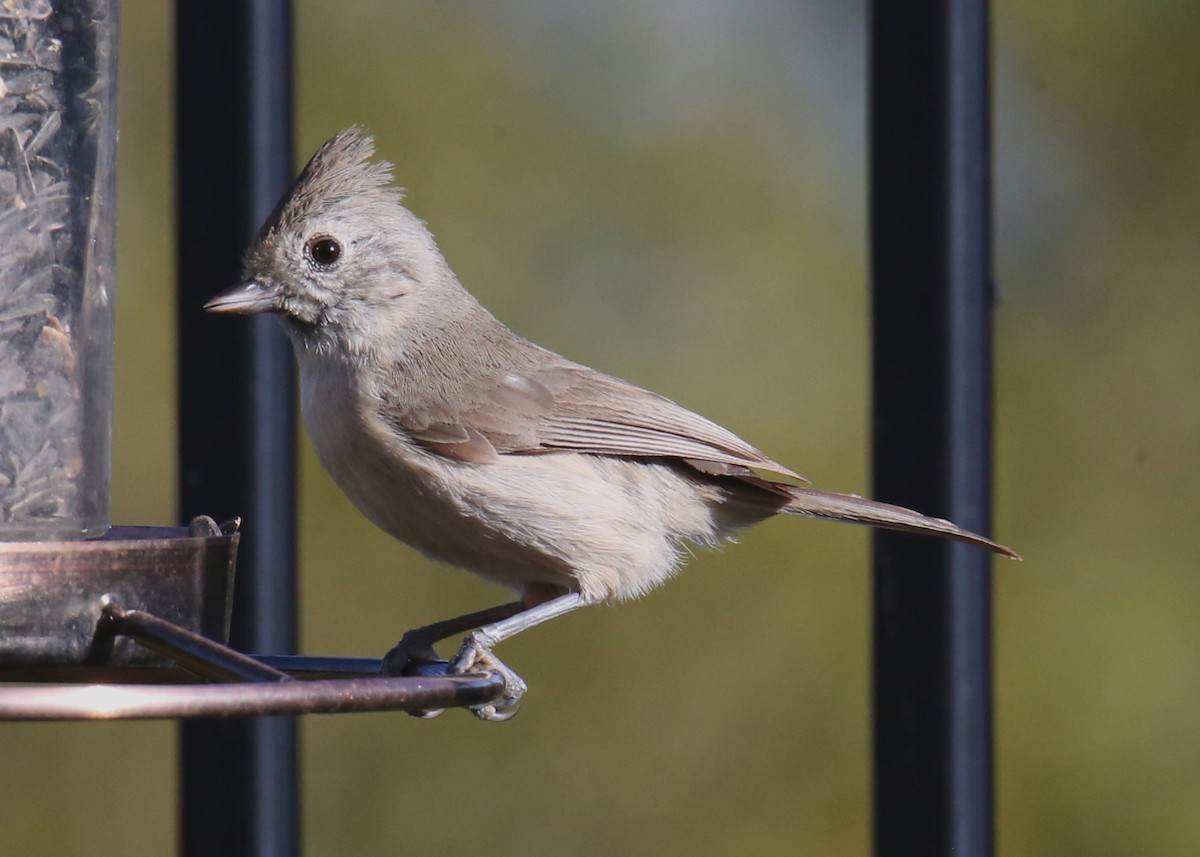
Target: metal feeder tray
125,625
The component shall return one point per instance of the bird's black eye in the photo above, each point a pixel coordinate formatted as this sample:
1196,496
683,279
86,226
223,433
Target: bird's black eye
324,250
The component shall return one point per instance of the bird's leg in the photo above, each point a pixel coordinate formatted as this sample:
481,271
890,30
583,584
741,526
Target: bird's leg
476,652
416,646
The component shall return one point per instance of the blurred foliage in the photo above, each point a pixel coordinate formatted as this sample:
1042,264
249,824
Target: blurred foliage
675,193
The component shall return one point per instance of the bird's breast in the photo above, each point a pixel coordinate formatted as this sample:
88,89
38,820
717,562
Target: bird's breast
379,469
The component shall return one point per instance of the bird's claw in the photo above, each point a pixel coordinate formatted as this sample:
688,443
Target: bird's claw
476,656
414,655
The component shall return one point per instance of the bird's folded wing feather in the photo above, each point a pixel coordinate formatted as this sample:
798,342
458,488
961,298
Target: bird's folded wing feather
567,407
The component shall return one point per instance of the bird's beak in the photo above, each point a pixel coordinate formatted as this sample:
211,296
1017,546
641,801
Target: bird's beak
249,298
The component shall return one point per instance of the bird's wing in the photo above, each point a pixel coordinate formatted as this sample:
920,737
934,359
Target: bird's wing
565,407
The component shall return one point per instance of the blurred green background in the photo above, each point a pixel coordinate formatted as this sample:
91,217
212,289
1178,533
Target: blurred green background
675,192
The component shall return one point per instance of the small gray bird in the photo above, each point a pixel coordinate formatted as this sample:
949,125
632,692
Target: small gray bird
481,449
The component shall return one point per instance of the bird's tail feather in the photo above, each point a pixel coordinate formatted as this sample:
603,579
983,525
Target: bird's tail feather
810,503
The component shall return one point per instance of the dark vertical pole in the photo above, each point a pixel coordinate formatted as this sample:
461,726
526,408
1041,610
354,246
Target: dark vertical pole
236,409
931,261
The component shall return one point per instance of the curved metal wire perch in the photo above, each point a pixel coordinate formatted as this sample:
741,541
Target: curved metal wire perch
325,696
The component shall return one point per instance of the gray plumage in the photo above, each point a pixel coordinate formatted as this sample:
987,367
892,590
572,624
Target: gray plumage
477,447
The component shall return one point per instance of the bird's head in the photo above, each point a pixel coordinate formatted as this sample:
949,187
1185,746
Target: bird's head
340,260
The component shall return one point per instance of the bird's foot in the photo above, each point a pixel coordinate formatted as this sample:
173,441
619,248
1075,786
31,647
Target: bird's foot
414,651
413,656
476,656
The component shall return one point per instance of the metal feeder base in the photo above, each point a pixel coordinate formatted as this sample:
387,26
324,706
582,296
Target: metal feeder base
146,610
52,596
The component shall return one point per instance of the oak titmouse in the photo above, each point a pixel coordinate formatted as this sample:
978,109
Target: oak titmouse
481,449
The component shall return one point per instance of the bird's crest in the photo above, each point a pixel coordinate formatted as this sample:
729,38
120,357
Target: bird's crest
341,170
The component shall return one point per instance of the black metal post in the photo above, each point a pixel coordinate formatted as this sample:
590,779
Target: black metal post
236,408
931,267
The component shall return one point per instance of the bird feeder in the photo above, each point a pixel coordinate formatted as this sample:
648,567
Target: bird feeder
144,609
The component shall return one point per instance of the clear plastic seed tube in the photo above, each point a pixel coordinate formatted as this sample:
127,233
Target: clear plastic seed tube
58,133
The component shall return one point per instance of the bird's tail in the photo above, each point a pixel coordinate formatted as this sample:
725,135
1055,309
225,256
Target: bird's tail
810,503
